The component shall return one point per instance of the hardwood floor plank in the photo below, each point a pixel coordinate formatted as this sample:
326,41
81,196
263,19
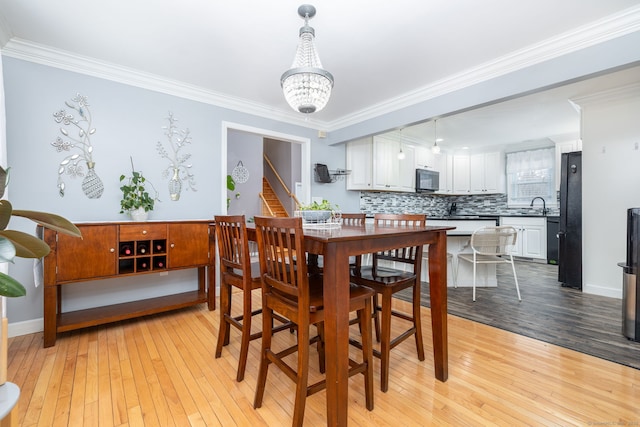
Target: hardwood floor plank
161,371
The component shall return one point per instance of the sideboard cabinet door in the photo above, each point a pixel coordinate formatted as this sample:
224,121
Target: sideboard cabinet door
94,255
188,244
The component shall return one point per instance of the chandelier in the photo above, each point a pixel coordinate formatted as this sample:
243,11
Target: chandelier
306,86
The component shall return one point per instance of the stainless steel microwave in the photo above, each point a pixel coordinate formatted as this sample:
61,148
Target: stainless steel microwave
427,180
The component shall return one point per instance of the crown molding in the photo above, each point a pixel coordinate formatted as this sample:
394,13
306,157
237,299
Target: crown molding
45,55
608,28
605,29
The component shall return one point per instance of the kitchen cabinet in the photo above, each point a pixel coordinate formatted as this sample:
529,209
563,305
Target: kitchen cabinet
487,173
360,162
461,177
444,165
425,159
532,236
389,172
112,250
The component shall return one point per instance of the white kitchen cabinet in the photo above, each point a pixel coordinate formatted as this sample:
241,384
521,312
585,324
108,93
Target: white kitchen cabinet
565,147
487,173
444,165
389,172
425,159
532,236
461,178
360,163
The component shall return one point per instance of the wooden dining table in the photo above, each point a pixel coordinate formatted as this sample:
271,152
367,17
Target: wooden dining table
336,245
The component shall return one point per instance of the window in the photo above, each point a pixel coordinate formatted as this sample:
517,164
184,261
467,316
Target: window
531,174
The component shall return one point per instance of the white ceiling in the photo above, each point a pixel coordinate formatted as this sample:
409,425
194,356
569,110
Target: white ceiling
382,54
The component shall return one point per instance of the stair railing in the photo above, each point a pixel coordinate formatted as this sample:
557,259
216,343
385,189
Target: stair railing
265,203
286,189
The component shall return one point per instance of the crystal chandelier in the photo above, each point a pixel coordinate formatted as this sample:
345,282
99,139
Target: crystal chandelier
306,86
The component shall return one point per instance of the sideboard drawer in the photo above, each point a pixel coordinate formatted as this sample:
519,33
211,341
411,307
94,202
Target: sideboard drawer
143,231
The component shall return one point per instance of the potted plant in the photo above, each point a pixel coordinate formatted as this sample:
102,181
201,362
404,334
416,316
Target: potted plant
317,212
136,200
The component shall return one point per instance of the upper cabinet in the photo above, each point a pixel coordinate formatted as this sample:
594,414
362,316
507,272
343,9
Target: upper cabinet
461,178
375,165
487,173
360,163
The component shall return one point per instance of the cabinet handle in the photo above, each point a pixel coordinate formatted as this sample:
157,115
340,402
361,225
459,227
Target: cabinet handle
144,231
112,250
173,245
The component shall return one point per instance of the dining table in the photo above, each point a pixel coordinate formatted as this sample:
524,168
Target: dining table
336,245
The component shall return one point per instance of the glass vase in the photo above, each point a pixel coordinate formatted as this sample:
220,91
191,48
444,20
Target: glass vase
175,185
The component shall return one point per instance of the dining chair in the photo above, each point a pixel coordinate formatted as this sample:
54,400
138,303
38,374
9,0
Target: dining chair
387,280
288,289
350,219
237,271
492,245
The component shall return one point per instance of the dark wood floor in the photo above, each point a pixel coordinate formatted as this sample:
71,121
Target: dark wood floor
586,323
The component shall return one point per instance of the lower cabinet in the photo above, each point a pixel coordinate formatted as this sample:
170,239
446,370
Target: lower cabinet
532,236
111,250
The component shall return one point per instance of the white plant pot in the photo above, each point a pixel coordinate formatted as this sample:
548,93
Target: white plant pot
139,214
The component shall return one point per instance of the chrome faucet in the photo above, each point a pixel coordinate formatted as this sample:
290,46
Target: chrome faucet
544,205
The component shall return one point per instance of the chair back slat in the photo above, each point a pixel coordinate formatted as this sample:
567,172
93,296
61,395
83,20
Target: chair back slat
353,219
233,247
279,240
409,255
498,240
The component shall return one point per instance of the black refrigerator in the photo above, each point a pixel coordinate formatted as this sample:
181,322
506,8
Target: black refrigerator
570,227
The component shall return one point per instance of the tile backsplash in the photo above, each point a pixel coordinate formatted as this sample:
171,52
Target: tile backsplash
437,205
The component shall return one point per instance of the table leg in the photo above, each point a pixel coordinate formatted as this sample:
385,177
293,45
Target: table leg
438,292
336,329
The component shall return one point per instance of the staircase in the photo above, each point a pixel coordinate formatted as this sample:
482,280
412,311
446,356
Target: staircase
275,207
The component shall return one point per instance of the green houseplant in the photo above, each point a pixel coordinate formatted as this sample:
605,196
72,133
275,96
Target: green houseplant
18,244
317,211
136,199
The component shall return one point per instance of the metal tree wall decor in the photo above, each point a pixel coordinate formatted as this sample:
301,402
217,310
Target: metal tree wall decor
178,169
78,123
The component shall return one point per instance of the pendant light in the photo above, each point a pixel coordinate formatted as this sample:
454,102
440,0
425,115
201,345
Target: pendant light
306,85
401,154
435,149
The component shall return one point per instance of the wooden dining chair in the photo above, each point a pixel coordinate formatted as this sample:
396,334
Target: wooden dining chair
289,290
386,281
237,271
350,219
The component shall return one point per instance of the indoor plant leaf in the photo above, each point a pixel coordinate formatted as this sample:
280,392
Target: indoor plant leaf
52,221
5,213
10,287
27,246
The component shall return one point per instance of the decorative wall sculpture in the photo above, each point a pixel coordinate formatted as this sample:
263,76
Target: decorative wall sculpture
73,164
178,170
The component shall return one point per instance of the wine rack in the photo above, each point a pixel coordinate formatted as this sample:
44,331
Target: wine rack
138,256
111,250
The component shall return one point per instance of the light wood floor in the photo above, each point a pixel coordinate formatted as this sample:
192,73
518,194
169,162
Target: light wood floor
160,371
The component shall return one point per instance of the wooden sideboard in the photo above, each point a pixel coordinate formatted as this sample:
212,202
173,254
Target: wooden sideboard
123,249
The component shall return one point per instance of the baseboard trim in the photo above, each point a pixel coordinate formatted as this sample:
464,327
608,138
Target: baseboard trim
33,326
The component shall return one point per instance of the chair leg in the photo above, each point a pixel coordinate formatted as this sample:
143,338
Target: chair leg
474,280
385,341
376,316
246,333
225,312
264,360
417,321
367,352
454,273
302,378
320,347
515,277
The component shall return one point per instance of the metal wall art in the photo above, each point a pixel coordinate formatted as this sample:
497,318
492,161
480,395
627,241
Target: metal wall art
73,164
177,170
